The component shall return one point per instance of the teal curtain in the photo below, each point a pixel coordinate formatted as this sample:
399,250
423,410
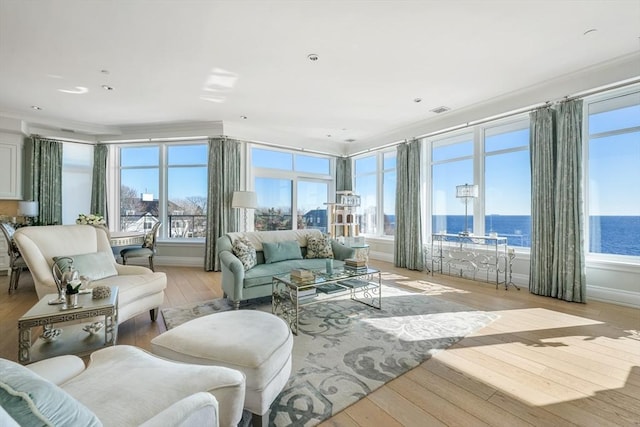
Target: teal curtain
542,152
99,181
569,278
344,178
408,246
44,170
223,180
557,251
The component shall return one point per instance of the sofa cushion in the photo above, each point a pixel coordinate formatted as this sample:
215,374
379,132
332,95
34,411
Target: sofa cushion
281,251
95,265
31,400
262,274
319,247
246,253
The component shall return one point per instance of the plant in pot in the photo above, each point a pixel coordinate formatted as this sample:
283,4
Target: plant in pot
71,293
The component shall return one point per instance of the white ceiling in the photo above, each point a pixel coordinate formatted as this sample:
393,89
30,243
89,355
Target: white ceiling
176,62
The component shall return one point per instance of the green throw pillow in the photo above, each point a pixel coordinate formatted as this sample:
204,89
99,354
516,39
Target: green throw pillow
33,401
281,251
95,266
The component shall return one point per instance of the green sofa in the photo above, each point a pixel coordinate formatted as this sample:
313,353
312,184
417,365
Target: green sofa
239,285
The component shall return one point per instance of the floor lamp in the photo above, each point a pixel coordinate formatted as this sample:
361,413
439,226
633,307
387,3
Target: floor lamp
244,200
28,209
466,192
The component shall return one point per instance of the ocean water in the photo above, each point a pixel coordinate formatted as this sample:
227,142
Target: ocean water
619,235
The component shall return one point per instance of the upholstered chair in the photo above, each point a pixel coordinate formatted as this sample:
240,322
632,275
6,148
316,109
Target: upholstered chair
139,289
148,248
122,386
16,262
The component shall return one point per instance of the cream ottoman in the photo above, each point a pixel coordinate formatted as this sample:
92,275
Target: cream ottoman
253,342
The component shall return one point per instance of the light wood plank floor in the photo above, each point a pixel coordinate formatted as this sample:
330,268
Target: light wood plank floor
544,362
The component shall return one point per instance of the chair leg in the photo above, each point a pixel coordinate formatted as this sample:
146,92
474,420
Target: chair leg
124,261
151,263
17,279
154,314
260,420
236,305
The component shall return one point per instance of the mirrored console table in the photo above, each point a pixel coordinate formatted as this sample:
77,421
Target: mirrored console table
473,257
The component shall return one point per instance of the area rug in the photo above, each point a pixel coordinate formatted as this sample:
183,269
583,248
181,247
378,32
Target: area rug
345,350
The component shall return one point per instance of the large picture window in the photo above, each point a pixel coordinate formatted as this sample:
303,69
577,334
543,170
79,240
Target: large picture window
613,152
287,183
167,183
375,183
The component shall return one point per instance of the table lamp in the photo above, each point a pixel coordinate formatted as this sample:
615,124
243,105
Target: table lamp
28,209
244,200
466,192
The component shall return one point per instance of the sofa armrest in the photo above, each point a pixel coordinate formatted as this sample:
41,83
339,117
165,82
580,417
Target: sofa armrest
59,369
232,275
127,270
341,252
199,409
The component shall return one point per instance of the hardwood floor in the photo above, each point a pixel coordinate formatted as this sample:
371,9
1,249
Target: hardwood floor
544,362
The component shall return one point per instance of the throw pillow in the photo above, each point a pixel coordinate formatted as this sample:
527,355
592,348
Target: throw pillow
281,251
31,400
246,253
319,247
95,266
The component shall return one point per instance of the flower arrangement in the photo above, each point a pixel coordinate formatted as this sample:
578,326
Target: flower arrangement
91,219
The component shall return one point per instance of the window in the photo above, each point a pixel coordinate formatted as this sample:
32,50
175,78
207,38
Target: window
452,165
366,186
77,175
613,175
496,158
507,182
375,183
287,182
167,183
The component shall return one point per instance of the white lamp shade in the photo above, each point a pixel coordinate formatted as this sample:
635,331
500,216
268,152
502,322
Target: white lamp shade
244,199
28,208
466,190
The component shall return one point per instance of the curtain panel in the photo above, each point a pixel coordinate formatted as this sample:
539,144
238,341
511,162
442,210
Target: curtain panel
223,180
344,177
557,237
99,181
408,246
44,170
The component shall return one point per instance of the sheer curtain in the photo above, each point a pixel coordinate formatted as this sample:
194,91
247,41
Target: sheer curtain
99,181
223,180
557,251
44,177
344,178
408,247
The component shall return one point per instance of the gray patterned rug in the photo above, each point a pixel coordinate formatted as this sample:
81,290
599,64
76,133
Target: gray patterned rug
345,350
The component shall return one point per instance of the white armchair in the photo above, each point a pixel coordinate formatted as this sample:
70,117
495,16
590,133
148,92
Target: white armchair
122,386
140,289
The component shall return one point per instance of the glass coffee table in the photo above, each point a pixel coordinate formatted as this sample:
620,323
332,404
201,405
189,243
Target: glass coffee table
289,295
65,331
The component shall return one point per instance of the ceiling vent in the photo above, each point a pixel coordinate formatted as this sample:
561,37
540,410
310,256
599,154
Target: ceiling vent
440,109
68,130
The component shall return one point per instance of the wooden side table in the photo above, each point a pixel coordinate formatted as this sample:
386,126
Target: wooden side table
73,339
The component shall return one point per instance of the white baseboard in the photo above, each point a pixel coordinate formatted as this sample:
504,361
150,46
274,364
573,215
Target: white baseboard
173,261
613,296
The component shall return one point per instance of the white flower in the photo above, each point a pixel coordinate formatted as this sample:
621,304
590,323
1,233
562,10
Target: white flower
91,219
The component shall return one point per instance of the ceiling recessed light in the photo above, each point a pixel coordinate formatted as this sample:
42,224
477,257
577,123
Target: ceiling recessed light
312,57
243,117
104,71
417,100
35,107
107,87
328,135
350,140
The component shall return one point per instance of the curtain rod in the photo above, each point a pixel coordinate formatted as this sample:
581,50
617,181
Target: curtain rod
512,113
